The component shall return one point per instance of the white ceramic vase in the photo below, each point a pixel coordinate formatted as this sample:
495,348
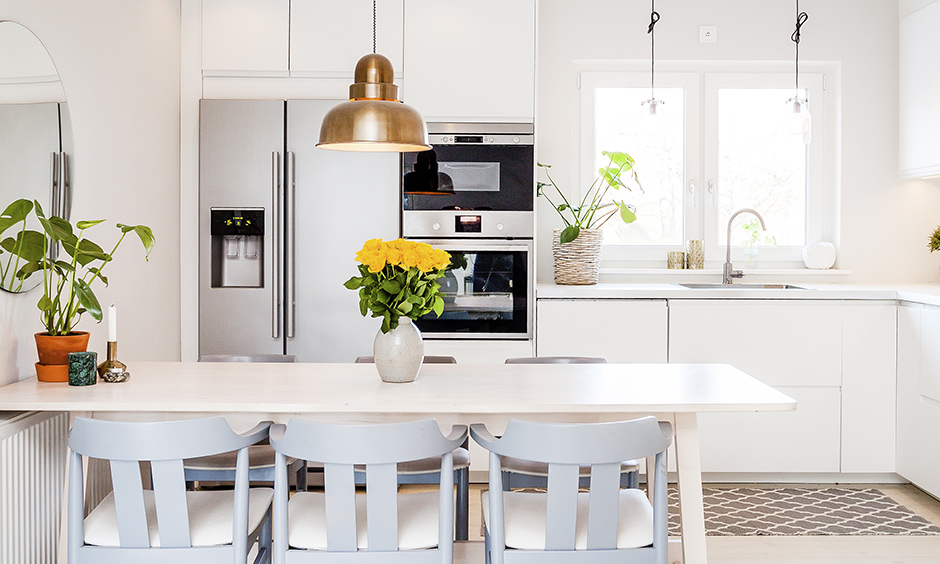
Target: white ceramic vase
399,353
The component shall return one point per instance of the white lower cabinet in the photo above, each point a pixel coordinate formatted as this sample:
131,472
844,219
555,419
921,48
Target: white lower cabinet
795,346
618,330
918,452
805,440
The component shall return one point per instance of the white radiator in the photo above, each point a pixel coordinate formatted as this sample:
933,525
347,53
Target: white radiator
32,476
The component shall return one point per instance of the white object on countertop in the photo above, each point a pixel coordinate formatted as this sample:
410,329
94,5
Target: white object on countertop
112,323
819,256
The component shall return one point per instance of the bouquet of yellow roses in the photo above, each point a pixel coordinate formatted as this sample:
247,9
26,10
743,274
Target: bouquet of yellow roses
398,278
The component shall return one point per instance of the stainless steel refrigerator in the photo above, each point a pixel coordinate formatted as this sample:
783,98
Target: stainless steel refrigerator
280,224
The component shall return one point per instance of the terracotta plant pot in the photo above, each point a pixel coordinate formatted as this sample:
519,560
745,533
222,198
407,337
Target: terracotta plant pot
53,365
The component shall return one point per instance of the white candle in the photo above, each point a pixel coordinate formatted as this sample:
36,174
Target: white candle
112,323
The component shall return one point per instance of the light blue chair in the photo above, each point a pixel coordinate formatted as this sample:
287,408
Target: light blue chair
426,471
564,526
167,523
380,526
221,467
529,474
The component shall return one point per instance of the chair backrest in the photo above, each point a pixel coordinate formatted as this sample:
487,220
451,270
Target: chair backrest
164,445
379,448
564,447
557,360
427,360
247,358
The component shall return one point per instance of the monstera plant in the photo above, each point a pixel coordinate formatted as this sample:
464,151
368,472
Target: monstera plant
70,263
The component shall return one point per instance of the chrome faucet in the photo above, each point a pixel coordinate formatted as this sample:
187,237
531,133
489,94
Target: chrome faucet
727,273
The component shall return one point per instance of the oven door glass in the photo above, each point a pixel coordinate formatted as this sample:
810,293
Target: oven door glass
485,293
469,177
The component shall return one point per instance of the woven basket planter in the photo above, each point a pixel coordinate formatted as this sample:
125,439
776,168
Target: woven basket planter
579,261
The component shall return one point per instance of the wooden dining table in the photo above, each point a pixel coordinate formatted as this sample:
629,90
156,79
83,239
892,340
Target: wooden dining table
452,393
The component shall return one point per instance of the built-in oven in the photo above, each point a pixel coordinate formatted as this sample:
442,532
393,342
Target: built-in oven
488,291
477,181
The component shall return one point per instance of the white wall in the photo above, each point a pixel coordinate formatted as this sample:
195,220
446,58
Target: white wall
884,223
119,62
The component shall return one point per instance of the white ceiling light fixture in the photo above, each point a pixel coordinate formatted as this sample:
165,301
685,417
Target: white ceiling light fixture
652,105
799,121
374,119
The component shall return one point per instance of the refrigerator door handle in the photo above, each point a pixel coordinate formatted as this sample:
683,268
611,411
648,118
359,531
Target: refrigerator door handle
290,227
276,176
65,186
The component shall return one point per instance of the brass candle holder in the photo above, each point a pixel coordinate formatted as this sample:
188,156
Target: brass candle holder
112,369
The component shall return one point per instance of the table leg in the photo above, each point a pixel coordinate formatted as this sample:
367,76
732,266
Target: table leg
691,505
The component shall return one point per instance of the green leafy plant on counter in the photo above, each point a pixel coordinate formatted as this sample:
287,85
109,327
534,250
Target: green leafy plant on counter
67,292
933,243
593,210
754,235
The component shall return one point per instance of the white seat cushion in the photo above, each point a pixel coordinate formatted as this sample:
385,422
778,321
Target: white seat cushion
417,521
525,519
259,456
210,517
531,468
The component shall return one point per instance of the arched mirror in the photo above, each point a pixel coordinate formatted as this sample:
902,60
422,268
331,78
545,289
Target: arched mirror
35,144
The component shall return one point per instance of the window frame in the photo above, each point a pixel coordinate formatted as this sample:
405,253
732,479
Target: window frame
701,81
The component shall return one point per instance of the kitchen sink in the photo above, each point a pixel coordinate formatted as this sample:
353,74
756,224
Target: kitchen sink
716,286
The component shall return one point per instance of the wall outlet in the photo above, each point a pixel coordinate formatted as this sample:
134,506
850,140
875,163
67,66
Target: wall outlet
707,34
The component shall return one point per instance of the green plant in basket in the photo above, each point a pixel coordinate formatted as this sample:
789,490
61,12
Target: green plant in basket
67,292
933,242
593,210
398,278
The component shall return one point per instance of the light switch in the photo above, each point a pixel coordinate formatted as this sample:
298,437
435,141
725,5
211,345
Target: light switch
707,34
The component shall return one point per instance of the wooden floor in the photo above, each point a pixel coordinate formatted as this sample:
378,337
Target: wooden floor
789,550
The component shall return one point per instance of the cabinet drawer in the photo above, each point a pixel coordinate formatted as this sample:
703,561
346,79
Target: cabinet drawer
618,330
805,440
780,342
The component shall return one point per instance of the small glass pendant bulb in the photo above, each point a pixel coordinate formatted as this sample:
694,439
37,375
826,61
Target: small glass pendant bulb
798,118
652,107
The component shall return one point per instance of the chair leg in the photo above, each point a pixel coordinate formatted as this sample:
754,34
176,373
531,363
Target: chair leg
265,541
463,504
486,544
302,477
633,479
507,482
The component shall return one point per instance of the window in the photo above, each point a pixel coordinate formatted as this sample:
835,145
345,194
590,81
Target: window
719,145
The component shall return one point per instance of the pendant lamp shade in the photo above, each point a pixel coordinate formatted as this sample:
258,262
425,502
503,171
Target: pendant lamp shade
374,120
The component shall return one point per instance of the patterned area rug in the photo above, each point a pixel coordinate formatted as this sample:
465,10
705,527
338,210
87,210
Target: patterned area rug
802,511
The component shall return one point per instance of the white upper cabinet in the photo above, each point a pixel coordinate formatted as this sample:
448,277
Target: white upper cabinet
470,61
245,36
328,37
315,38
919,100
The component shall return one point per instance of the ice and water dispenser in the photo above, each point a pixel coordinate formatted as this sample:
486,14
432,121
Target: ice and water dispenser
237,247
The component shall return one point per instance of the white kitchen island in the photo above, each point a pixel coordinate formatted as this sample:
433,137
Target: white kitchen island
458,393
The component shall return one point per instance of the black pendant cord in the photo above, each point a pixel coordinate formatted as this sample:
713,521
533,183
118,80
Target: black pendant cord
801,18
373,27
654,19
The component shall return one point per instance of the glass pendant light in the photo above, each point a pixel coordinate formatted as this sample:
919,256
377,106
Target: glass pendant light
652,105
798,119
374,120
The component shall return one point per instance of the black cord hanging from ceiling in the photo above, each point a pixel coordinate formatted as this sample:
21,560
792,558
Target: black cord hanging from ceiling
801,18
373,26
654,19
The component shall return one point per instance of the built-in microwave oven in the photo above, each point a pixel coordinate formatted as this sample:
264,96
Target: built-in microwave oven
478,180
489,291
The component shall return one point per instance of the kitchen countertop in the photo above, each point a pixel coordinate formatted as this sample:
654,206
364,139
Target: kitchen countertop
928,294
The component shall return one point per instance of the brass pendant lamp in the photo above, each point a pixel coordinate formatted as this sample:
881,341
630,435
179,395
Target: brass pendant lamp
374,119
